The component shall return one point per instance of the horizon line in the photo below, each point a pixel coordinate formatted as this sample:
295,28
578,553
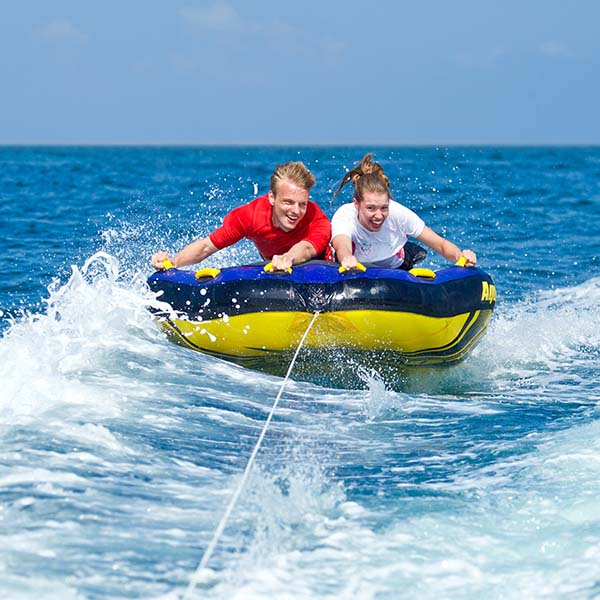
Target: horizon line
92,144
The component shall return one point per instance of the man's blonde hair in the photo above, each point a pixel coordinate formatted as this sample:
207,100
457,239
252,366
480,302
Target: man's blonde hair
296,172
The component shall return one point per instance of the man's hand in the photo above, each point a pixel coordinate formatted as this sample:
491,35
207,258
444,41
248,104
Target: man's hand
157,260
281,262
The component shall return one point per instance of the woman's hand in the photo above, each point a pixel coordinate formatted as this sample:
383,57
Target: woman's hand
349,262
471,258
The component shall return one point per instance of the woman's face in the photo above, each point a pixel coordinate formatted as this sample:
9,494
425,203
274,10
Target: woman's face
373,209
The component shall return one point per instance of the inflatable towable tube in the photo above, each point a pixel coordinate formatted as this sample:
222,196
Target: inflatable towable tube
256,318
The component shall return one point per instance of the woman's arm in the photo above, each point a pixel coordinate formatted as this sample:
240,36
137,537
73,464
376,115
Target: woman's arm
445,248
342,245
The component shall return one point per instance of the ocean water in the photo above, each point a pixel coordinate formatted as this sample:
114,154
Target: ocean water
120,451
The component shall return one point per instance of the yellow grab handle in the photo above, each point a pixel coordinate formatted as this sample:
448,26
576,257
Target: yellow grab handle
207,272
358,267
424,273
269,269
461,262
167,264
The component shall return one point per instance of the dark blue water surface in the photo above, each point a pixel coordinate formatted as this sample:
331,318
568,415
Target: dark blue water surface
120,450
531,213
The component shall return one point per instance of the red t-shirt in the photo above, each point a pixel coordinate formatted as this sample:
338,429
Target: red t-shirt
255,222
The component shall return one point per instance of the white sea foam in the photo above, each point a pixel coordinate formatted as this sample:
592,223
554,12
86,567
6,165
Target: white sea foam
58,359
557,326
537,521
546,343
134,446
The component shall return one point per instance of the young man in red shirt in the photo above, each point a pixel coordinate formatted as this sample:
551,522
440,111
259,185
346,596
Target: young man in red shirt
286,227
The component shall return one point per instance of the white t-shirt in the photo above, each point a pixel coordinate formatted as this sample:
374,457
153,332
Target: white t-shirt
383,248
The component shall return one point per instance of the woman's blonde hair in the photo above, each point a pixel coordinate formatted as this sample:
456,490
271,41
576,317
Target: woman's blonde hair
367,176
296,172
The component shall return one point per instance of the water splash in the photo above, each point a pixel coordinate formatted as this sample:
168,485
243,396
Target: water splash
541,340
91,321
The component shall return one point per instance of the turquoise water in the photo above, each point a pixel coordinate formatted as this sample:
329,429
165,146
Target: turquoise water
120,450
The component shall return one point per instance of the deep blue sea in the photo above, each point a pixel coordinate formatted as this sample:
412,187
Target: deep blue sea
120,451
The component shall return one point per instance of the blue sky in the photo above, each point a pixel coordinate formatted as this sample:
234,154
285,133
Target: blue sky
306,72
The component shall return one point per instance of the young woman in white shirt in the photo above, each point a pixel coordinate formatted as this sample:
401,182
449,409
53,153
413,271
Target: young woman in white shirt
374,229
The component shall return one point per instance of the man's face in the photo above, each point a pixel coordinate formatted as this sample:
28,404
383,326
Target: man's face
289,205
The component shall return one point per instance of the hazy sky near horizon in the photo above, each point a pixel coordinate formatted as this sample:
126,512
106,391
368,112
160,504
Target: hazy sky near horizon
306,72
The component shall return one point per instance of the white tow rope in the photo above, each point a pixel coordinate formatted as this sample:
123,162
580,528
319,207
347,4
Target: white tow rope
219,530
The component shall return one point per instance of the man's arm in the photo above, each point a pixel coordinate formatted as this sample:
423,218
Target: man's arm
229,233
193,253
298,253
